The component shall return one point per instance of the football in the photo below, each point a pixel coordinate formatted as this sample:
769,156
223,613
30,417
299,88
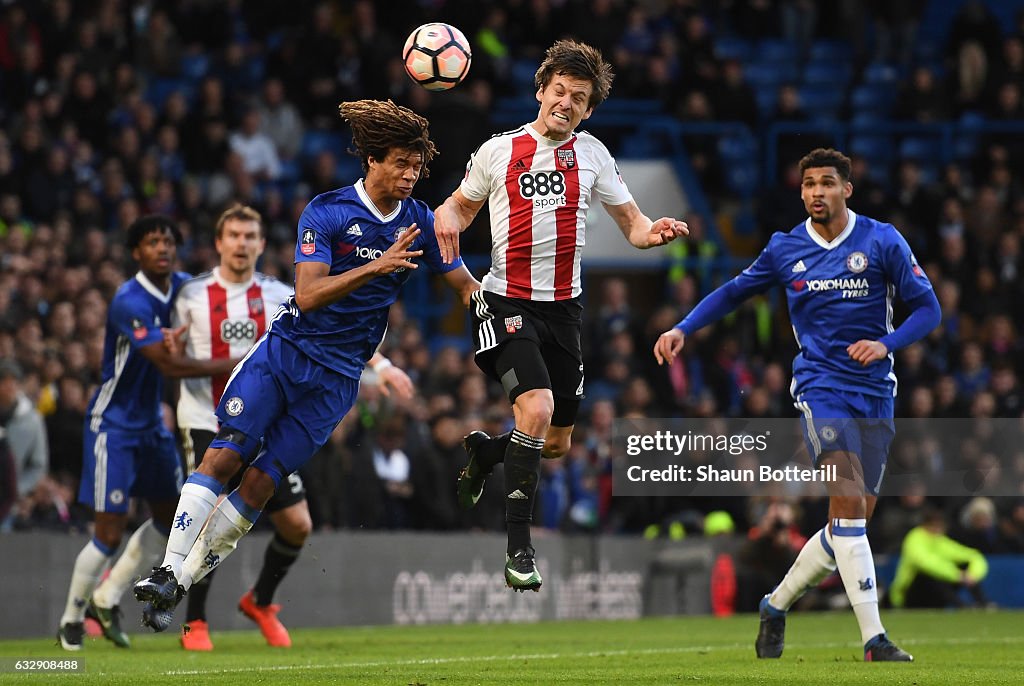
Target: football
437,56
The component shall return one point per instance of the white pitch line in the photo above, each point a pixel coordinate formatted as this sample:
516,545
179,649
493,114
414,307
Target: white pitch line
555,656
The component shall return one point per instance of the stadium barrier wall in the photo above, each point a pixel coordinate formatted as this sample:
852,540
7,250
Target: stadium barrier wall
354,578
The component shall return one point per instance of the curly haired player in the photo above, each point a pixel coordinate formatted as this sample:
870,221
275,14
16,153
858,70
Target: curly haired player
356,247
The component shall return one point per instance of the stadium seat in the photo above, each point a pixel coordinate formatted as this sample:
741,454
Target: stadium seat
640,146
194,66
822,99
629,106
881,72
314,142
876,149
741,178
766,98
829,51
731,48
777,50
866,118
873,97
158,90
522,73
737,148
835,74
764,74
348,170
927,151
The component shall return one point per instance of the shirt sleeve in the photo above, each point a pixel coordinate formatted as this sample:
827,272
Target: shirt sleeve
757,278
427,242
478,181
134,320
181,314
315,236
609,186
913,288
901,267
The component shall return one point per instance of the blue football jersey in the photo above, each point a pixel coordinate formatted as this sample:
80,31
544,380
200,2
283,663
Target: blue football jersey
132,387
344,229
838,293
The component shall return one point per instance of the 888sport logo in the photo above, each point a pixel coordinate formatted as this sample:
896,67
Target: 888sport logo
545,189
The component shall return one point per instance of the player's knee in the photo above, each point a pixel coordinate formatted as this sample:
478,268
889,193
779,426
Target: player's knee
220,463
110,536
256,488
555,448
533,411
296,526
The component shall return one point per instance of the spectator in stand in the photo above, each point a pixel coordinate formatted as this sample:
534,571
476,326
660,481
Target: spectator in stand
23,428
259,157
925,100
280,120
933,568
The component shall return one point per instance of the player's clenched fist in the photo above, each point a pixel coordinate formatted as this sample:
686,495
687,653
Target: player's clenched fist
666,230
668,346
866,352
398,256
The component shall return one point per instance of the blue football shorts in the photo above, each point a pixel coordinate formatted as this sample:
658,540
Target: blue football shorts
851,422
119,464
280,394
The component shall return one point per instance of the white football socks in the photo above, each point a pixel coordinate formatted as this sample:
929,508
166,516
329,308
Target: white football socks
139,555
857,568
198,498
812,565
230,520
88,569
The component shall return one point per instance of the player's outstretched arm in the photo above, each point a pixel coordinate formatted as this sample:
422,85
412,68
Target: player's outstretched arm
640,231
315,287
450,219
175,365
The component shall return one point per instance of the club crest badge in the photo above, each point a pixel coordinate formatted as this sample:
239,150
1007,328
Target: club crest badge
513,323
565,158
857,262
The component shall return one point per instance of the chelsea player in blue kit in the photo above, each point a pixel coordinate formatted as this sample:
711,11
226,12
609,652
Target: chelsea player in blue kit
840,272
128,451
356,247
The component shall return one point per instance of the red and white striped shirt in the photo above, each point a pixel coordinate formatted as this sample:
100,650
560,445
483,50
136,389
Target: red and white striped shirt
224,320
539,191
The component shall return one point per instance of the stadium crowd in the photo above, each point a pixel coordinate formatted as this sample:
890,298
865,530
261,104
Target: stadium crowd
113,109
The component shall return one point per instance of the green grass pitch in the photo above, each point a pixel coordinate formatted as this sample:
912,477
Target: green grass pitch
949,648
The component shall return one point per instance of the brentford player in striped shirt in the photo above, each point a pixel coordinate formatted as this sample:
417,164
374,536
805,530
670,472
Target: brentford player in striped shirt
538,180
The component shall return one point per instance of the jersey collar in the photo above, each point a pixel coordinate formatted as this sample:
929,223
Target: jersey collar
231,285
541,138
835,242
152,289
384,219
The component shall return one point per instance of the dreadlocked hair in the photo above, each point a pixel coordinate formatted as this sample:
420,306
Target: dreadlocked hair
378,126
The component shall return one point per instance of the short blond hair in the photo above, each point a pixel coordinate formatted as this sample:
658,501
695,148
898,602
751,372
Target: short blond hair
238,212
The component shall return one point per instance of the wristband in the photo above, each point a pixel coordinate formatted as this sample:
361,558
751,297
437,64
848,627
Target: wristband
382,365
